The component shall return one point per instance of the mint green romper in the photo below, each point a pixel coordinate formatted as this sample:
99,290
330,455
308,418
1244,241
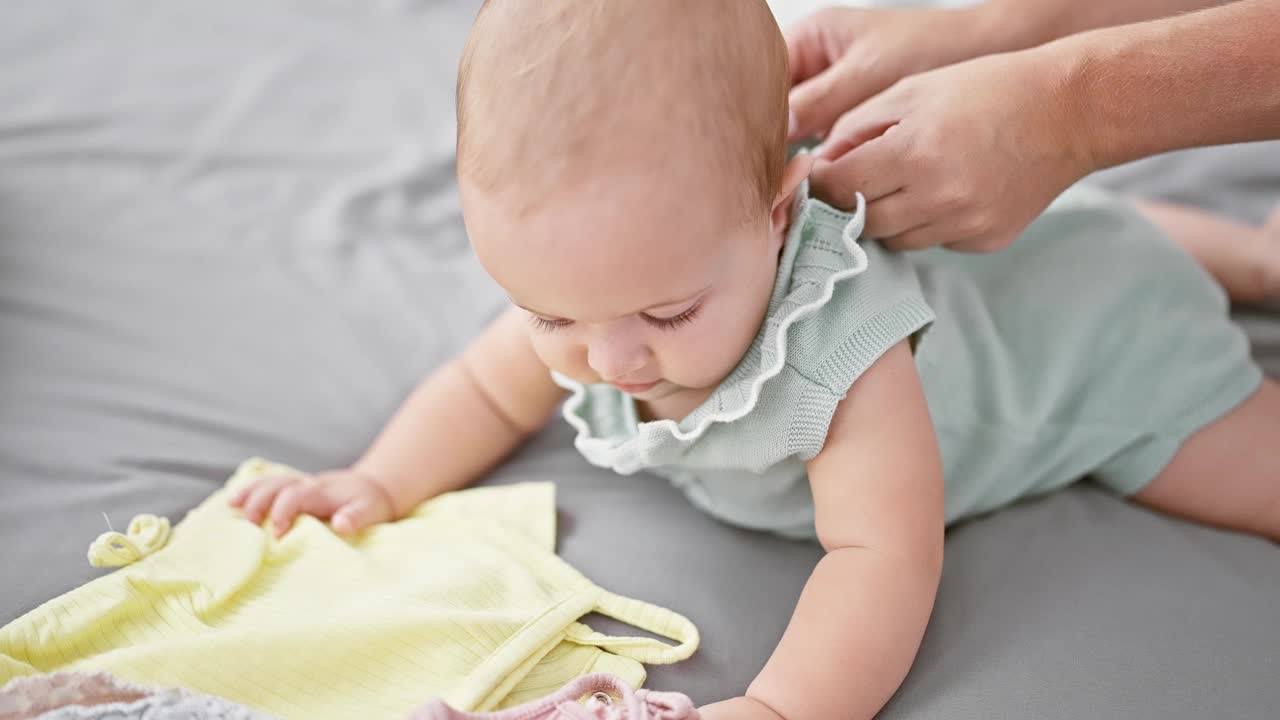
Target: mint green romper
1094,346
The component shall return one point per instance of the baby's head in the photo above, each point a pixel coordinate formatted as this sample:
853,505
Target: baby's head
623,173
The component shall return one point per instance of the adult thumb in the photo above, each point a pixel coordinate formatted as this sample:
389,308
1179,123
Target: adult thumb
818,102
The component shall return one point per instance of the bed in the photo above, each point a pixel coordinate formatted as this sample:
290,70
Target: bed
231,229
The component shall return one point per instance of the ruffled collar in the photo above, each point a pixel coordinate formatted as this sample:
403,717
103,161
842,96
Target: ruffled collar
606,419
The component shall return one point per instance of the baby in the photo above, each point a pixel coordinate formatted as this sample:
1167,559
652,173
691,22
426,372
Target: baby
624,177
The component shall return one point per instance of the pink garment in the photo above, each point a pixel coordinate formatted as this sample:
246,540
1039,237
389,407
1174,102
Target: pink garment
610,699
99,696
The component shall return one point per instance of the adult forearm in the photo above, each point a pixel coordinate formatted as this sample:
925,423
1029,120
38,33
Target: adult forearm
852,638
1204,78
1020,24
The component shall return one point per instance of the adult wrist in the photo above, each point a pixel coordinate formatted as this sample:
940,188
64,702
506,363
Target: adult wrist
1067,70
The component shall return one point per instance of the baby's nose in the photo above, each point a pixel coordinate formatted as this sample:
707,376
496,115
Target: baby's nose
614,357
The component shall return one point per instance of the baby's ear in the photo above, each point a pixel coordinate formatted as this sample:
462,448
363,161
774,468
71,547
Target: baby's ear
793,175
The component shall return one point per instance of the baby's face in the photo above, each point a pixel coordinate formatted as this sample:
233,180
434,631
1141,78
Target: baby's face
635,280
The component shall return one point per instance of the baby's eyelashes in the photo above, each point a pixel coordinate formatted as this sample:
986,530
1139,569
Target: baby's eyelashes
671,323
548,324
545,324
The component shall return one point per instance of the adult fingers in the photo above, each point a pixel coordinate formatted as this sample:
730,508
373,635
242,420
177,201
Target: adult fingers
807,51
817,103
962,232
873,169
954,235
876,117
893,215
918,238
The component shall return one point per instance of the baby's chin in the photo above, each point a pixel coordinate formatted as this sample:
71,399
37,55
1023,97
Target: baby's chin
663,389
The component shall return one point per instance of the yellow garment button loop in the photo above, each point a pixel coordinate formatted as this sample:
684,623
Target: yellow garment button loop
147,534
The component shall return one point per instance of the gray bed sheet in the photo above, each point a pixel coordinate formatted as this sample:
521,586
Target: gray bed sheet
231,229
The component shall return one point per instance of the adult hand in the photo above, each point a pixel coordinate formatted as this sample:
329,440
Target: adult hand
840,57
965,156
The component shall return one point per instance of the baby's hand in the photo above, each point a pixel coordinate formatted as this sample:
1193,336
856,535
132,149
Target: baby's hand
350,499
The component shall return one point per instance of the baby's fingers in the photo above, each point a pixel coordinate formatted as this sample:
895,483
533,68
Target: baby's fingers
285,508
261,495
238,499
355,516
306,497
243,494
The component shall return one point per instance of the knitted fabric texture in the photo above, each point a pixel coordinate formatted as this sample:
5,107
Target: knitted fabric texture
1094,346
837,305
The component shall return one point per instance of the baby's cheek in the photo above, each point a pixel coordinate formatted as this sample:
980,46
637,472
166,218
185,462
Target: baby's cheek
567,358
723,344
706,359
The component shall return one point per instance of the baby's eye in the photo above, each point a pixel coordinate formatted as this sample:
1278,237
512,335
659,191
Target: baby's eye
672,323
547,325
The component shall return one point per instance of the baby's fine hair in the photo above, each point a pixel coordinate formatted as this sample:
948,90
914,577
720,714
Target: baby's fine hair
550,90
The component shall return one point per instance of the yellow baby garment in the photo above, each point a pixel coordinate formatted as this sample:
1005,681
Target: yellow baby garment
463,600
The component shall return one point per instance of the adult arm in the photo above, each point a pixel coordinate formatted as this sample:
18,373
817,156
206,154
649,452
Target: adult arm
968,155
840,57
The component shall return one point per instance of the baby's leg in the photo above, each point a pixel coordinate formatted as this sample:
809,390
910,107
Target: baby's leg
1244,259
1228,473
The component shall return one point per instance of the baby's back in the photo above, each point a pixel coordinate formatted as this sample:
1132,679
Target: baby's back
1093,346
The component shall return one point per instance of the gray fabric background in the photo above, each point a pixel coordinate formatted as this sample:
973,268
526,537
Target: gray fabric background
230,229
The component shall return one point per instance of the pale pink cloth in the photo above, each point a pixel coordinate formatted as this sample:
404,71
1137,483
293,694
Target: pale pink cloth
609,699
80,696
99,696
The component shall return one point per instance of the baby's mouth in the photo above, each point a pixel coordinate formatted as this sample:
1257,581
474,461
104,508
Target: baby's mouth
635,389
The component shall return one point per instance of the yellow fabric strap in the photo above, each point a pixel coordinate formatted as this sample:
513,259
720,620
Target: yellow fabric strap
645,616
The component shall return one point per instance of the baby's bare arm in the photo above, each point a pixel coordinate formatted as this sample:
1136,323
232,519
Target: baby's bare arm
877,487
460,421
464,418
